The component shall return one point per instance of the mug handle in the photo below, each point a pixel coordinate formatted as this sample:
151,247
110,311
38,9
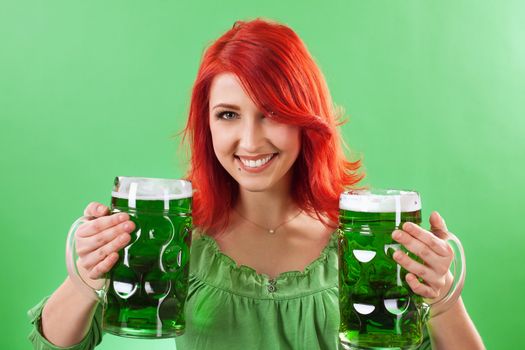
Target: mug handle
99,290
458,272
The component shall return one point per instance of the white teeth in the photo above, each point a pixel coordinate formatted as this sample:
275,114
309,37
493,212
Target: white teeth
256,163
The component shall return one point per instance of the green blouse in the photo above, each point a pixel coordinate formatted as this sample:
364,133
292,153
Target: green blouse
233,307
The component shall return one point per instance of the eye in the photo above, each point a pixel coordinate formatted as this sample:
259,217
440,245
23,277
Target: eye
226,115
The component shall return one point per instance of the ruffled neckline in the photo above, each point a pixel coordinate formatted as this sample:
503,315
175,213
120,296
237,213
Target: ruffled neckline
232,264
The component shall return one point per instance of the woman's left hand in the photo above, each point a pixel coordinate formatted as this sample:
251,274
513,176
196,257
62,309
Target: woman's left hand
435,253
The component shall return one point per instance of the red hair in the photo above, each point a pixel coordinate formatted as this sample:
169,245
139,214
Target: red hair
282,79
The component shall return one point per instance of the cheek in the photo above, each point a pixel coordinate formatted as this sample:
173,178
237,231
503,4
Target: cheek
288,138
218,145
221,142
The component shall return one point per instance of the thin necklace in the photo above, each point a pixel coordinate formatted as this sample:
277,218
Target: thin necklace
270,230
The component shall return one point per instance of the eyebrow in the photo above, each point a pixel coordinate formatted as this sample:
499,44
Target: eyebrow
227,105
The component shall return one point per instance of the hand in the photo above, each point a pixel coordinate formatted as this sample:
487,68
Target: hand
435,253
99,240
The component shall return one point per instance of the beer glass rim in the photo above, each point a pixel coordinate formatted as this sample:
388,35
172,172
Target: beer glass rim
150,188
380,200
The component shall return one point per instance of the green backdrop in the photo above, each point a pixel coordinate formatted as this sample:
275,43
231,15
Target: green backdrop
434,91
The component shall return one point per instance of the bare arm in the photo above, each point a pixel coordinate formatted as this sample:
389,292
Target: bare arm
454,329
68,313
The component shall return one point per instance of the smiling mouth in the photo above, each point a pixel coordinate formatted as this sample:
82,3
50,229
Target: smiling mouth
254,164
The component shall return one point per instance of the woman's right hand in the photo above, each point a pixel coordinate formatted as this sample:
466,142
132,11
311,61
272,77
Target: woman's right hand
99,240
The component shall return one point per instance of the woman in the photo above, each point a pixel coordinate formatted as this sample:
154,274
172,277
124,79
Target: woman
268,168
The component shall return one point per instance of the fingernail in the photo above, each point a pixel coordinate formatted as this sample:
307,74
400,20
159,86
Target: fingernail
441,218
100,208
396,234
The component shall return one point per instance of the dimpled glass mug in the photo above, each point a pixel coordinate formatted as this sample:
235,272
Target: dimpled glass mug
377,307
144,293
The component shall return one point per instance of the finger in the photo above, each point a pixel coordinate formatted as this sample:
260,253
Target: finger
438,226
422,271
90,260
96,209
103,266
88,244
420,288
100,224
435,243
419,248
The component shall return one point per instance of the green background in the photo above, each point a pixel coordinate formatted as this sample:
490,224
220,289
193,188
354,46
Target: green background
434,91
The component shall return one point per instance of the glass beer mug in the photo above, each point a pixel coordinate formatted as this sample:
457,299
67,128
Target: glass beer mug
377,307
144,293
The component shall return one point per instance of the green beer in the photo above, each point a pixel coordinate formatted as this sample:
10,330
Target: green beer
150,280
144,293
148,285
377,307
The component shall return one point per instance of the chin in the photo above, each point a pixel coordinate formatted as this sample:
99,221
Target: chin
254,190
253,186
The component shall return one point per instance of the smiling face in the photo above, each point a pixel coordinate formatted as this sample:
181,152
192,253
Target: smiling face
256,151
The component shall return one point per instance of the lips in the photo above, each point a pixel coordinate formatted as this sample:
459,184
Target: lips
259,169
260,156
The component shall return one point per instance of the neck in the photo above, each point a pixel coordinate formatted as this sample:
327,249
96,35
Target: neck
268,208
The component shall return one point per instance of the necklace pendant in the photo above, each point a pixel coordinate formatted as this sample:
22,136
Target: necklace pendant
271,231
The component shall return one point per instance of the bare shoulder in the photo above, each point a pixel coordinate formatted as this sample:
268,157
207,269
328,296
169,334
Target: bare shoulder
312,231
311,223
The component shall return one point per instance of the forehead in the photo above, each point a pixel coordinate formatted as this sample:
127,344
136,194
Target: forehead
227,88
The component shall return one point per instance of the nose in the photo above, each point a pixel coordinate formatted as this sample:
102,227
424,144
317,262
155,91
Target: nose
251,135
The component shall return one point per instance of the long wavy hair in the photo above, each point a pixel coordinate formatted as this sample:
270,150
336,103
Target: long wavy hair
281,77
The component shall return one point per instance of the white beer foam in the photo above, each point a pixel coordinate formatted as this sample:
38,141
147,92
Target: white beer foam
143,188
380,201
